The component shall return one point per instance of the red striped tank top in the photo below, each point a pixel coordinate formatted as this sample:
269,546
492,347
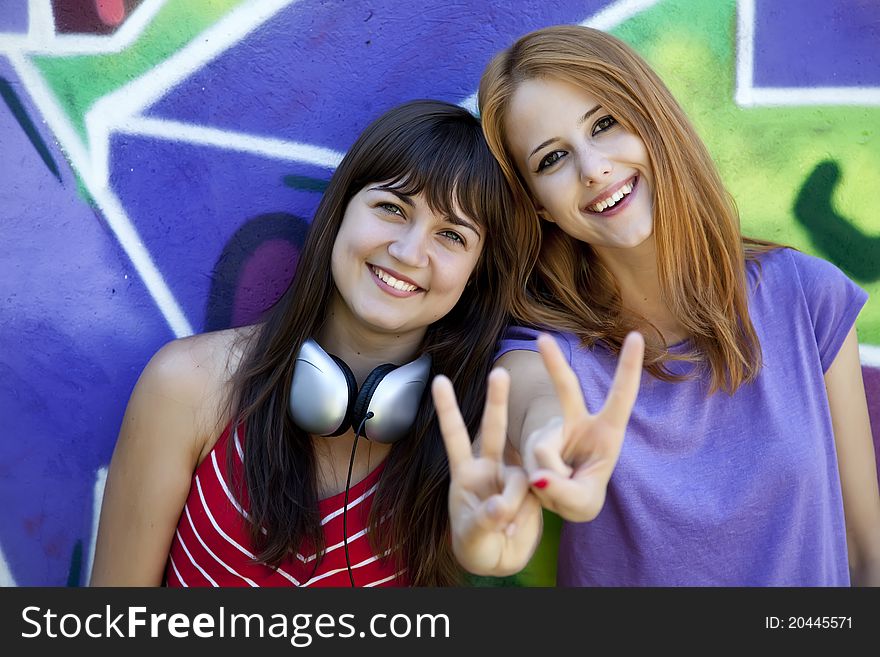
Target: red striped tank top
211,546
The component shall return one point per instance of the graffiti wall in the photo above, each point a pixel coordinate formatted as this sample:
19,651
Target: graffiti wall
161,160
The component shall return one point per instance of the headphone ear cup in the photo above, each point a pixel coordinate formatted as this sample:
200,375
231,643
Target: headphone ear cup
352,394
362,402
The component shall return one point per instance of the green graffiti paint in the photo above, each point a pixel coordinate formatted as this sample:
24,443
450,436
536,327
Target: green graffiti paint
81,80
305,183
74,574
13,102
834,236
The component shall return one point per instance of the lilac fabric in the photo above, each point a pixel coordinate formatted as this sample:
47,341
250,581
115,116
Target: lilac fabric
724,490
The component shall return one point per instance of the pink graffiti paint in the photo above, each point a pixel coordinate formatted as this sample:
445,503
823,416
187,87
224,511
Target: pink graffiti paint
111,12
259,285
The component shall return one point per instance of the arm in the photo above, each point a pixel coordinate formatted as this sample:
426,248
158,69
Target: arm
568,453
158,448
856,462
533,400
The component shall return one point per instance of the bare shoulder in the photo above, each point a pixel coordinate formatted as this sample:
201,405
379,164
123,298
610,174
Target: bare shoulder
172,420
191,377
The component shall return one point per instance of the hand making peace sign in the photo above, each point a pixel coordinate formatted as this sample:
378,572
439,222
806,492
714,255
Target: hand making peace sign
569,460
496,522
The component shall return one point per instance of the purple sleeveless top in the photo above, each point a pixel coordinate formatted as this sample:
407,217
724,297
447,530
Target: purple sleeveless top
724,490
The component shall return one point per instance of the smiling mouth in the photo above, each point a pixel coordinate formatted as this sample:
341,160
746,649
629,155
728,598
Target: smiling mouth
393,282
612,200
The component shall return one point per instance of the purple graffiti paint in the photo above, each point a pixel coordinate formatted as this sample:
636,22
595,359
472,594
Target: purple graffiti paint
187,201
318,72
258,287
815,43
13,16
76,328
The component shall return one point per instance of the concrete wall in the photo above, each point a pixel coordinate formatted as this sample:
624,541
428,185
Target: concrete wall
161,159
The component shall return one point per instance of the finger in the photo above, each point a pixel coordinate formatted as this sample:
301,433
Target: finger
452,427
527,523
543,450
625,386
549,455
499,510
565,381
493,429
546,486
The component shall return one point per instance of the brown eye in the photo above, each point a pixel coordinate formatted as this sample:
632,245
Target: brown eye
452,236
549,160
391,208
603,124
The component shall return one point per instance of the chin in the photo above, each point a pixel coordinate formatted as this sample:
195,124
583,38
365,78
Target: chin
385,324
636,238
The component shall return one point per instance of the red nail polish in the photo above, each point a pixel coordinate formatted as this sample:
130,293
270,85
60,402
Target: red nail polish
541,483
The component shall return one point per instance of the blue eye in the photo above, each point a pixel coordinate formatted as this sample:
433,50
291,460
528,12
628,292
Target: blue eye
603,124
549,160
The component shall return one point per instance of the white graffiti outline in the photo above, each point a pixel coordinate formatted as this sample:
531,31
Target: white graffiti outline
748,95
117,107
120,112
869,355
6,578
278,149
110,206
97,500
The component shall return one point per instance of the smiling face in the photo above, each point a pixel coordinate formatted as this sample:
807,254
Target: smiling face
585,171
397,265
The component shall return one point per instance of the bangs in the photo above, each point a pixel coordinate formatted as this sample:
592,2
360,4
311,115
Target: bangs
449,163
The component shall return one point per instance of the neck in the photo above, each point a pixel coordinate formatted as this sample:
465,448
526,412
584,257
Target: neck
333,459
637,275
364,348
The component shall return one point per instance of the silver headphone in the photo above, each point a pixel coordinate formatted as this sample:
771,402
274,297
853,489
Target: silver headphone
325,400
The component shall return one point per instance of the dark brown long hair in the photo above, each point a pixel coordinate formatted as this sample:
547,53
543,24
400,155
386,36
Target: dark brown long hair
426,147
700,252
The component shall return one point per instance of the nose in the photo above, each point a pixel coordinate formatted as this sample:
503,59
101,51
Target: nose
410,246
595,167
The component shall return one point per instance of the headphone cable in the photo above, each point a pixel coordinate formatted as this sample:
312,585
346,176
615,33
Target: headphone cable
357,436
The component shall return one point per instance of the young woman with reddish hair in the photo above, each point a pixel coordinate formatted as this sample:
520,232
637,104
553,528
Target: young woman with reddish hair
748,459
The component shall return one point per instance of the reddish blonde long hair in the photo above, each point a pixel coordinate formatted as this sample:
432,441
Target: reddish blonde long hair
700,251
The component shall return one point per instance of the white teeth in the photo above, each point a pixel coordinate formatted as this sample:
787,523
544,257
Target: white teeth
611,200
393,282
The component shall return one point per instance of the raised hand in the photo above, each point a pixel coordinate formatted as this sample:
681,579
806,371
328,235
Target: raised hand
569,461
496,522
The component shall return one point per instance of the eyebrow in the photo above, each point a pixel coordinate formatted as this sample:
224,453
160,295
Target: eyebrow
403,197
580,122
451,218
459,221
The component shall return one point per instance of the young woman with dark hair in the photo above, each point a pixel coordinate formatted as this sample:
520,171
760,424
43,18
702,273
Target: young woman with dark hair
214,482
